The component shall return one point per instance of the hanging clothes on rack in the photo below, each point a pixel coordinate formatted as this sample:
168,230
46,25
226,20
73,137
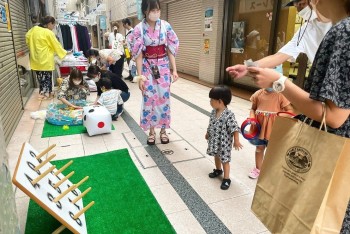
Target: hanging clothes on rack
74,36
64,36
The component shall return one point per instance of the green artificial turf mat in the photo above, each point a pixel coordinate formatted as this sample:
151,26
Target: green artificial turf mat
123,201
51,130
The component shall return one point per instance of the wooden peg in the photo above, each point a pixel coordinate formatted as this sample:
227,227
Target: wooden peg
45,151
59,230
81,195
64,179
83,210
44,162
37,179
82,181
64,167
59,197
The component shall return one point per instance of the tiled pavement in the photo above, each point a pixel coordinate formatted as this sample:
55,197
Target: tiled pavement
192,201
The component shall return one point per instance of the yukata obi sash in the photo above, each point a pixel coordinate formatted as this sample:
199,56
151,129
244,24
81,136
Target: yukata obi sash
153,52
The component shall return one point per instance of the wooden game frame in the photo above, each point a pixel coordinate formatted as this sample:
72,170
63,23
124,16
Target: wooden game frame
49,188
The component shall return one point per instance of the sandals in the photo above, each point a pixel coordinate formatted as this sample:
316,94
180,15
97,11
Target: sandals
215,173
151,140
164,139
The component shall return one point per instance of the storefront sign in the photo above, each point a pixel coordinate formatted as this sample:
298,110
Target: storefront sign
248,6
208,19
131,7
103,24
206,46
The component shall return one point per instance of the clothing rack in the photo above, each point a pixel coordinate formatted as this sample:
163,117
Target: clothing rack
62,21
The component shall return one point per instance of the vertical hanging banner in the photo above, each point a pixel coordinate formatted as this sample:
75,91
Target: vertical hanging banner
8,17
103,23
139,11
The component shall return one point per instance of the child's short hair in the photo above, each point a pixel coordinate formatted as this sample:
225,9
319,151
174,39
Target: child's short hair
106,82
221,92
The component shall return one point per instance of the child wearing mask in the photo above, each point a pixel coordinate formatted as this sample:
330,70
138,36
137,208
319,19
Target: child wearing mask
73,89
110,98
222,131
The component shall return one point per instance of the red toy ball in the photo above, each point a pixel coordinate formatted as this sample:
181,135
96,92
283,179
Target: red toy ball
250,135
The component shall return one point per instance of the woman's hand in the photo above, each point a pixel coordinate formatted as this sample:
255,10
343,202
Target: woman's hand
237,71
142,86
175,76
263,77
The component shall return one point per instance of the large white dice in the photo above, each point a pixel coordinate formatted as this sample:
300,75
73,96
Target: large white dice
97,120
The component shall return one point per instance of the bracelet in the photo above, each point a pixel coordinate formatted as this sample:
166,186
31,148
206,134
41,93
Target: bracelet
141,77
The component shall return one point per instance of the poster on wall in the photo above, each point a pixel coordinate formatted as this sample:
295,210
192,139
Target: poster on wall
3,18
206,46
208,19
237,39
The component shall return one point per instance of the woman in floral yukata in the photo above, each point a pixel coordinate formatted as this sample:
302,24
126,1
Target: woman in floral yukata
155,45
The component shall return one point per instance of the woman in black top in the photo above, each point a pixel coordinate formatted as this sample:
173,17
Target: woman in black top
95,73
329,79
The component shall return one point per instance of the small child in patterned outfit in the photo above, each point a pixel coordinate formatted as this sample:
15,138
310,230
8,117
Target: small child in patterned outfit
222,131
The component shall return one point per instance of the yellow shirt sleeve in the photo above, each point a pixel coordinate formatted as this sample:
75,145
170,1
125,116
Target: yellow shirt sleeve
56,45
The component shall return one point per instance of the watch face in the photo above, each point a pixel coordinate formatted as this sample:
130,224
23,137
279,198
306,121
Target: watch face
277,87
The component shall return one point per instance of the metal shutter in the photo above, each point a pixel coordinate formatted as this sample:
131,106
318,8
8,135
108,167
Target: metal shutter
19,25
10,96
186,19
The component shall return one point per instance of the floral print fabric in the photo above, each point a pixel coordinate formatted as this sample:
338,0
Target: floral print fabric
155,109
45,81
73,93
330,79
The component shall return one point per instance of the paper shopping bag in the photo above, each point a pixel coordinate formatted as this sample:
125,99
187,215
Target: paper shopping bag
331,214
297,170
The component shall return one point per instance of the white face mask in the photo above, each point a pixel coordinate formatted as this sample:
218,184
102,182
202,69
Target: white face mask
93,61
154,16
305,13
96,79
76,82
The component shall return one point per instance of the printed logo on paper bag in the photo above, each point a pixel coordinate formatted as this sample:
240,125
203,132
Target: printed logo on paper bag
299,159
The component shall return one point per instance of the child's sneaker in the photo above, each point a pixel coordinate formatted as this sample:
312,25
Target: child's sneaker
225,184
215,173
254,173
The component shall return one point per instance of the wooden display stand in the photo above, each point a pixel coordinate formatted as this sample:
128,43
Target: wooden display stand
53,191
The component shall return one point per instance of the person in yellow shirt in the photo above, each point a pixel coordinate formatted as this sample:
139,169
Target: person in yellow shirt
43,44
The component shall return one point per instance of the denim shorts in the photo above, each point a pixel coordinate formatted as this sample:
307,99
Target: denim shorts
259,142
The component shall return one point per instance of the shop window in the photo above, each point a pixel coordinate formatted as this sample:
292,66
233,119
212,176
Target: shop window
251,27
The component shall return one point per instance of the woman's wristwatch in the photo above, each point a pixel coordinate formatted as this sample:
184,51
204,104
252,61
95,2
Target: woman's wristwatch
278,86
